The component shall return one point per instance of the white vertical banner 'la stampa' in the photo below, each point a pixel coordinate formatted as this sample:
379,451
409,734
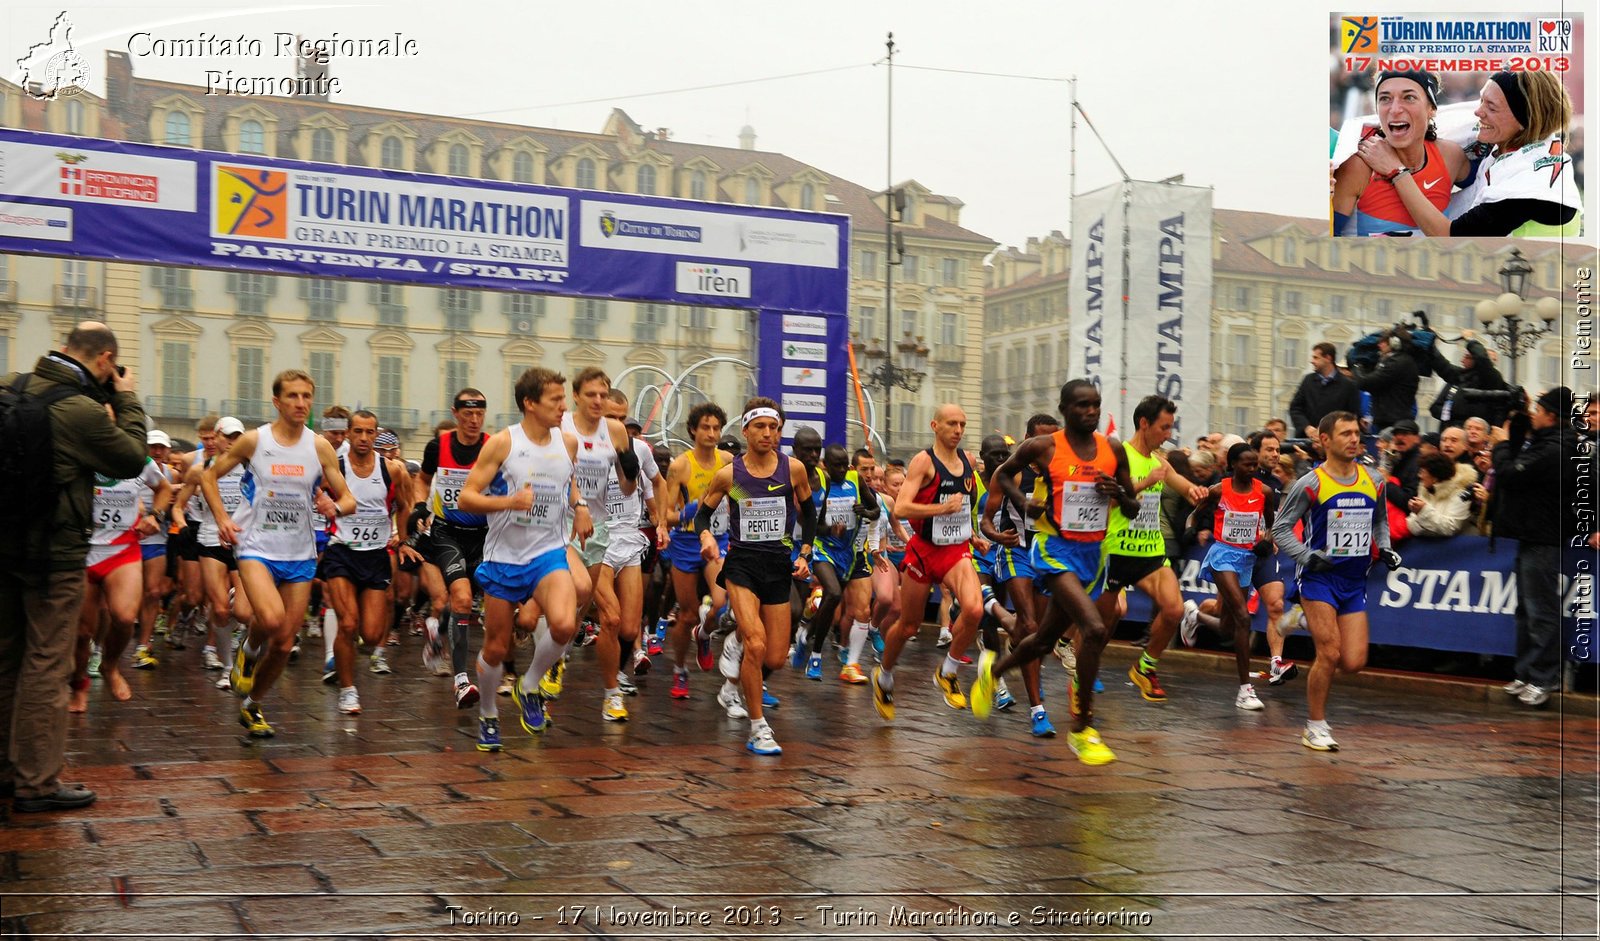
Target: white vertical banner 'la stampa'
1095,295
1169,300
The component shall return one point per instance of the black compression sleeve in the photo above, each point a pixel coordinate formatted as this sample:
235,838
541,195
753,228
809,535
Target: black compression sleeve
702,517
808,522
628,463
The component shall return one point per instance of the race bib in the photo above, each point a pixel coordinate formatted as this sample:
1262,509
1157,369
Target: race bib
952,529
448,483
839,512
1240,529
761,519
719,517
548,500
1082,509
114,508
1149,518
616,503
592,474
282,513
1349,534
365,532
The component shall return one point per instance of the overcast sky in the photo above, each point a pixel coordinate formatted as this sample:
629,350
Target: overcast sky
1236,100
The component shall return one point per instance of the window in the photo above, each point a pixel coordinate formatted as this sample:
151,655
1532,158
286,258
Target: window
808,196
390,299
1465,266
517,369
459,304
524,311
5,351
1045,370
322,147
1239,350
950,330
1336,304
651,318
907,417
1241,297
1385,308
909,270
522,167
173,283
457,373
697,185
911,324
392,153
75,283
177,132
457,160
697,318
1289,352
952,272
320,364
752,191
251,291
74,116
1424,265
174,370
1291,302
586,316
1380,259
584,176
391,382
1241,420
322,297
252,138
868,318
646,180
869,265
251,385
1335,255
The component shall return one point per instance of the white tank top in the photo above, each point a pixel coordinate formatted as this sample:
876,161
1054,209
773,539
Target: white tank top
279,487
232,499
597,464
197,502
514,536
629,510
369,527
154,474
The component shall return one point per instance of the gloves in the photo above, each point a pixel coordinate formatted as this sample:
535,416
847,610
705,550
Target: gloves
1263,548
1319,563
1390,558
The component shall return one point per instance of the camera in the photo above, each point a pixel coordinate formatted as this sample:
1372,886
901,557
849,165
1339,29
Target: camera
1493,405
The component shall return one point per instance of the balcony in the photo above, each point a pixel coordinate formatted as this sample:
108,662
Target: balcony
250,411
397,418
77,297
175,406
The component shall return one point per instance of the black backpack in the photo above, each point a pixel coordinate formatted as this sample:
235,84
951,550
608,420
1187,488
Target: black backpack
27,460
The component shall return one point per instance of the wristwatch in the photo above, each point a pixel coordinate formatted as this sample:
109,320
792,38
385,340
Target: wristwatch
581,504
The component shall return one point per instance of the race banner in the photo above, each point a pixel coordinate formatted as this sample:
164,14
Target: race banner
118,201
1094,299
806,370
1450,594
1169,301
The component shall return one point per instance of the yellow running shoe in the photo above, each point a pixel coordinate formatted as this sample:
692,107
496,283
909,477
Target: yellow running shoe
1148,683
243,676
882,699
983,686
250,717
550,683
951,689
143,659
1088,747
614,710
852,674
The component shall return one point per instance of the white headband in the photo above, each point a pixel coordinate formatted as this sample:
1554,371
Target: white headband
336,424
756,413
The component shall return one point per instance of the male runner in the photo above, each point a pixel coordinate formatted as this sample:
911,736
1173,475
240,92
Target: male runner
848,509
189,603
619,590
766,491
226,602
153,549
1085,473
1342,506
455,536
523,484
1238,514
356,566
285,466
687,478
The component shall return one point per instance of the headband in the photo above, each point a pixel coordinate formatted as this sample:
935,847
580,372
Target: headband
471,403
1425,79
336,424
1515,99
756,413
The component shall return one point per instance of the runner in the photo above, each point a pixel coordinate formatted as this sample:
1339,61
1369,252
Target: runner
632,653
189,604
892,536
1239,510
848,510
1013,575
687,479
226,602
619,583
335,429
523,483
766,491
935,497
1342,506
285,466
153,549
455,537
1085,474
356,567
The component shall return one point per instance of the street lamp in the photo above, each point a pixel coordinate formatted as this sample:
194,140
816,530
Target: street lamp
1517,334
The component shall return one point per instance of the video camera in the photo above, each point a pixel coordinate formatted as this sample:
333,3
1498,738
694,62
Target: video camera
1491,402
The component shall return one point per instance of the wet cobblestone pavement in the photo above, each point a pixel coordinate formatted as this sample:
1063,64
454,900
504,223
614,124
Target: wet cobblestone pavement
1438,818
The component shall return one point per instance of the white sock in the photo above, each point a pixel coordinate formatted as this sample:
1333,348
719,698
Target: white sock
347,689
858,640
545,656
541,633
990,607
489,679
951,666
757,725
613,692
1036,710
330,629
1317,725
736,646
462,678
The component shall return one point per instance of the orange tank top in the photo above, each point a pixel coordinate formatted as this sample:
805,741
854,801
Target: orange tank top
1076,511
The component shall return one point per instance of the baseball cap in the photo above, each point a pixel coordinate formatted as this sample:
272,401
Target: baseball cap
230,426
158,437
631,422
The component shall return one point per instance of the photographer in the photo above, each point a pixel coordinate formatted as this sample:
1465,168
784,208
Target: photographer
75,392
1475,389
1532,451
1393,382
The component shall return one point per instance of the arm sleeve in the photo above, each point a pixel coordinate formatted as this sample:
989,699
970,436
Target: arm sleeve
1506,215
430,457
808,522
1296,503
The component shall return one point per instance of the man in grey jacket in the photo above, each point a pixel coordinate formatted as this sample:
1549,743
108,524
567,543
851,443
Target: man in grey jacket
41,571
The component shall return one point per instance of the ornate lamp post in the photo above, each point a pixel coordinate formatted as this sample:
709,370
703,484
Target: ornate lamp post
1506,319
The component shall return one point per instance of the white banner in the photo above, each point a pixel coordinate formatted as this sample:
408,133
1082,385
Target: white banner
630,227
95,176
1094,300
1169,302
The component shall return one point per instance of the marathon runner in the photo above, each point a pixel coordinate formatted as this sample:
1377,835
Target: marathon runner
687,478
1238,515
226,602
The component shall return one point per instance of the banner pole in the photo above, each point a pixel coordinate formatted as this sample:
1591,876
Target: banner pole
861,402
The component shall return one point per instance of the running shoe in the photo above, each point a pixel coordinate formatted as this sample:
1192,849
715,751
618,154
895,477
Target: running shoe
1148,683
944,638
380,662
1003,700
94,661
1089,748
244,672
506,682
433,656
1068,656
143,659
1248,700
223,682
329,676
680,685
210,658
550,683
175,637
875,638
349,702
655,647
1042,727
950,688
961,658
641,662
531,710
488,735
769,701
882,699
250,717
732,657
1190,625
761,742
852,674
1535,696
1514,688
394,639
466,694
626,685
614,710
1293,619
161,624
802,646
1281,673
702,649
294,653
729,699
314,628
1318,739
814,667
982,686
